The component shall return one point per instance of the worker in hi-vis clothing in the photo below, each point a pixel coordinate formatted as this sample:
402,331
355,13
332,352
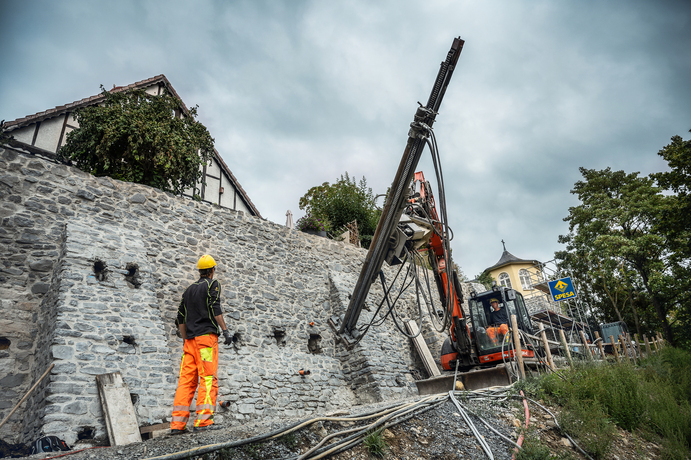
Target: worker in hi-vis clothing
200,321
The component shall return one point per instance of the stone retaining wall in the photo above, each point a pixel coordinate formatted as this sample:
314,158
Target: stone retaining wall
90,279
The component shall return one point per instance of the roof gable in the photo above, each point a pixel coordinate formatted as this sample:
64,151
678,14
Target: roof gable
161,81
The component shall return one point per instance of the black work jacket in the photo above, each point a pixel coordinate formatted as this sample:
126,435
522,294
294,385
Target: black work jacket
499,317
200,303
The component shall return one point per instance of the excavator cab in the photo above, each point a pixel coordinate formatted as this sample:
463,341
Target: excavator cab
490,336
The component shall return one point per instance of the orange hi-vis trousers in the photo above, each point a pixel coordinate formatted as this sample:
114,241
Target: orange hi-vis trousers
199,366
492,332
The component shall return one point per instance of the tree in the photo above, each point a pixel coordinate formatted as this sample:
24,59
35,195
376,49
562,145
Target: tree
675,225
342,203
485,279
138,137
614,228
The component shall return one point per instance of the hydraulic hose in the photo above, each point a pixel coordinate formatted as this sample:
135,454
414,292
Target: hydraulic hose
472,427
527,421
396,408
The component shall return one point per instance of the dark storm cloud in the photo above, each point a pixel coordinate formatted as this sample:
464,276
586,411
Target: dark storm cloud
297,93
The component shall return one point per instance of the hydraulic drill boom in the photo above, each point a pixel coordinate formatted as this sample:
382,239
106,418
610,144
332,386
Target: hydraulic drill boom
386,237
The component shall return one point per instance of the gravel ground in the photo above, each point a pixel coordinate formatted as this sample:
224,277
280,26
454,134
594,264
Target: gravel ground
438,433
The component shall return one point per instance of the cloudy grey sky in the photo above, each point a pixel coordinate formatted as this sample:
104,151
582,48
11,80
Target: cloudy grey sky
298,92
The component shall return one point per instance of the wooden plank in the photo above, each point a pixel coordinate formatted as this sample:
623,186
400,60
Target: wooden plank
545,344
648,353
614,347
566,346
625,348
423,349
588,351
158,426
599,344
517,350
155,431
118,410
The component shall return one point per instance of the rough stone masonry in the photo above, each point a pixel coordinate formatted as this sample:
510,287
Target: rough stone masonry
91,275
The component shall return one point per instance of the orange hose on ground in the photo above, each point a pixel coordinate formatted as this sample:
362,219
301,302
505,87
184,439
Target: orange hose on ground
527,420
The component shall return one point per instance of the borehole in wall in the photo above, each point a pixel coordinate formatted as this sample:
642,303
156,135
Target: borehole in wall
134,397
132,276
237,340
4,343
129,339
100,270
314,344
280,336
86,432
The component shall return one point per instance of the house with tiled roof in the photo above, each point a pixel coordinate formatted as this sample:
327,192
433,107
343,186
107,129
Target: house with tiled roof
45,132
513,272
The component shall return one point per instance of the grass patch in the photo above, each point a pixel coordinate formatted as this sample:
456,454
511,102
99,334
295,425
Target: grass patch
534,449
654,397
587,421
289,440
376,444
253,451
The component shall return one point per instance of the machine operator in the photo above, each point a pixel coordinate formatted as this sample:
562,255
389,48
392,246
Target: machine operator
499,321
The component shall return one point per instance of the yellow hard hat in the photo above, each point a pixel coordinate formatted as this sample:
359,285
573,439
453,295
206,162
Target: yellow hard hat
490,300
206,261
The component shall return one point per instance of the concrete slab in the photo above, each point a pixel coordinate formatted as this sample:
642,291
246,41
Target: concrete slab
118,410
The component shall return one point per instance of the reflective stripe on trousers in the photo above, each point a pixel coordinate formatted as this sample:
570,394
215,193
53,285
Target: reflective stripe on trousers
199,366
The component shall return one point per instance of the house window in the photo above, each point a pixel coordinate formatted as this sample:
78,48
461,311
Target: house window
505,280
524,276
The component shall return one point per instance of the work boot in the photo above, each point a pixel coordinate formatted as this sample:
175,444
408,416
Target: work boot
206,428
175,431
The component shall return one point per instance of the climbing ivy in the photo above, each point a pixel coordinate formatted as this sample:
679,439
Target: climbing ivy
134,136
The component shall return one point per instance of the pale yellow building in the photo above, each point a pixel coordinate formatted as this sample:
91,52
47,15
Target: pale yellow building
519,274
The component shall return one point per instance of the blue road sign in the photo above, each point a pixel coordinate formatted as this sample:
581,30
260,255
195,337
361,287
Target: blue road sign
562,289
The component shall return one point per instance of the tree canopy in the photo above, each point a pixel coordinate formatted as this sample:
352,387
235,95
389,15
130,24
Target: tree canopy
341,203
138,137
628,245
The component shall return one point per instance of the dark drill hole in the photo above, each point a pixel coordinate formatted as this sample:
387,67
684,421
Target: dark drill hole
100,270
134,398
280,337
128,339
314,344
132,275
86,432
4,343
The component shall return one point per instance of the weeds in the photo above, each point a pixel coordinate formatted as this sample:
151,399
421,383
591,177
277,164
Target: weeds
654,397
587,421
289,440
534,449
225,454
376,444
253,451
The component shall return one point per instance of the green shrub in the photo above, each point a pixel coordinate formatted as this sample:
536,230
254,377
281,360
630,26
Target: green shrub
376,444
533,449
587,421
289,440
134,136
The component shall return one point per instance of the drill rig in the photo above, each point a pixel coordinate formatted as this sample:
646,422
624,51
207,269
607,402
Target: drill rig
411,227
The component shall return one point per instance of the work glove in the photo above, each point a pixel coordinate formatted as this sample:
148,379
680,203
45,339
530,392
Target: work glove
228,338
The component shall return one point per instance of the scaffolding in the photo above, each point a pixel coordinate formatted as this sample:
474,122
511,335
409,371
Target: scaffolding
567,315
